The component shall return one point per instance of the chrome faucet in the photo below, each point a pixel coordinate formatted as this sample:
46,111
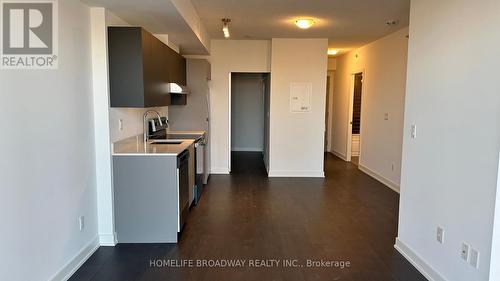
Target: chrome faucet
145,125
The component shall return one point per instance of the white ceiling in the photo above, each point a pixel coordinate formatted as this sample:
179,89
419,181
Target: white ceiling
347,23
156,16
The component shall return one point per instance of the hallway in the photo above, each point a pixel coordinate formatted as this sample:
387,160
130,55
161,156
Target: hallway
347,217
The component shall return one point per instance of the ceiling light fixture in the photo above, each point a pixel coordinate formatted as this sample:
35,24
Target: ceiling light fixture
304,23
333,52
225,27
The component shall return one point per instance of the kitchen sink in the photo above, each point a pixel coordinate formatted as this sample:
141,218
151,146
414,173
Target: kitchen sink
169,141
183,136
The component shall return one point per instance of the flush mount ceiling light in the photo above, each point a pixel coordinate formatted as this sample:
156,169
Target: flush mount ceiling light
225,27
304,23
333,52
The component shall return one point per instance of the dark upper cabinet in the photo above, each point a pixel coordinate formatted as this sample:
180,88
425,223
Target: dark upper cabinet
140,66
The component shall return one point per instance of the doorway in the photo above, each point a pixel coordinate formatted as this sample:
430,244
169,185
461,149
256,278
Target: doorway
249,118
354,135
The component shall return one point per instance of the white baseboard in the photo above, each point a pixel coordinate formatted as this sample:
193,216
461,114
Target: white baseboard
74,264
107,239
295,174
379,178
424,268
219,171
339,155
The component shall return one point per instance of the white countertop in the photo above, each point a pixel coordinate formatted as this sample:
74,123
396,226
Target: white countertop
135,146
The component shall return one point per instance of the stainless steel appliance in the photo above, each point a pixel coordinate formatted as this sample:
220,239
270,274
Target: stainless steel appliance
183,181
158,130
194,116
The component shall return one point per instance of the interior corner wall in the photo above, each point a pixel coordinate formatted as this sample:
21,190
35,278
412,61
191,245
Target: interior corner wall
267,104
450,170
47,165
230,56
297,139
495,243
384,64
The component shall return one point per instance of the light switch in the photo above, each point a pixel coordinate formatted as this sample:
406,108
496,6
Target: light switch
440,235
474,258
464,252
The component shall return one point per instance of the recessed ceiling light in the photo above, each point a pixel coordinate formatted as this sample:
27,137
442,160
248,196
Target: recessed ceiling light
225,27
333,52
304,23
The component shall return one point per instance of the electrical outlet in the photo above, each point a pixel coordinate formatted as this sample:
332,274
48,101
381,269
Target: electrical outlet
392,167
120,124
81,222
464,252
474,258
440,235
386,116
413,131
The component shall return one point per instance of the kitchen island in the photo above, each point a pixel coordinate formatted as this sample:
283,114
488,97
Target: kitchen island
151,189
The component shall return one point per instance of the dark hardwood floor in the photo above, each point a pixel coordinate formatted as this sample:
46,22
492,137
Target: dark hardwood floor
347,216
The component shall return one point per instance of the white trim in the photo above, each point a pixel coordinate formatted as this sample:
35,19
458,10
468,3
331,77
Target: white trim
331,74
107,239
383,180
295,174
339,155
419,263
349,117
77,261
219,171
230,131
248,149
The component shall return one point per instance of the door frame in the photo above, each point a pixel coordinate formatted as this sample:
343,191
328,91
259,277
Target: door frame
230,110
349,117
330,74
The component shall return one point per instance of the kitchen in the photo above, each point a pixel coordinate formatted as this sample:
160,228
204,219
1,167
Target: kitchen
157,175
136,112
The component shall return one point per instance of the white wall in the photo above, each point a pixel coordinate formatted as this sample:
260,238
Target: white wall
332,63
230,56
495,244
449,174
332,66
131,120
101,127
47,168
384,65
247,112
190,15
297,139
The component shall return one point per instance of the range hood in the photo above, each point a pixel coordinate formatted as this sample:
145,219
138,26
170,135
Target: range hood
174,88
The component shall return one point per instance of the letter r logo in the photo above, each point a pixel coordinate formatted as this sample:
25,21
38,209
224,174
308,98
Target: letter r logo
27,28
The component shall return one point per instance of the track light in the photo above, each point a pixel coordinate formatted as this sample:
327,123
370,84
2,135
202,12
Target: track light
225,27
